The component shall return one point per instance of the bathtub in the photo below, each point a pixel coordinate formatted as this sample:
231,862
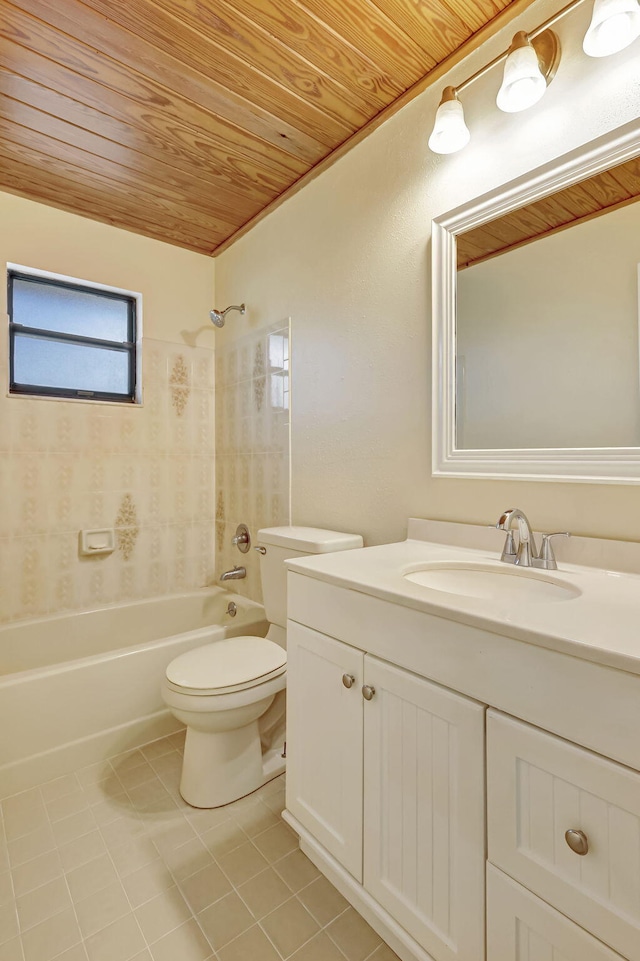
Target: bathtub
78,688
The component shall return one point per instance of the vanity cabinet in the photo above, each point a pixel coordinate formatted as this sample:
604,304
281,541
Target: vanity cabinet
538,788
386,771
522,927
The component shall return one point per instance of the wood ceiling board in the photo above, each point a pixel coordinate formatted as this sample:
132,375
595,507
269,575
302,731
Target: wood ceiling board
178,55
513,9
367,28
159,200
606,190
19,175
214,200
304,34
208,112
433,25
179,119
628,175
204,40
120,60
204,173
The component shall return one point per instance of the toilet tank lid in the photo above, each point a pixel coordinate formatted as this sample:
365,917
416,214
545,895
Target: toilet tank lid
310,540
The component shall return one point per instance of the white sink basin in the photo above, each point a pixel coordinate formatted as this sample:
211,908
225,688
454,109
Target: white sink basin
493,583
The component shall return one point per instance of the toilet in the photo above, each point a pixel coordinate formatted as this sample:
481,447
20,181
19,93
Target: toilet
230,694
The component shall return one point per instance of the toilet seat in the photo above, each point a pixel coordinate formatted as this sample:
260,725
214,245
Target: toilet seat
226,666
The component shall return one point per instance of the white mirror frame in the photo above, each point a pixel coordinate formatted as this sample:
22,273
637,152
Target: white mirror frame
609,465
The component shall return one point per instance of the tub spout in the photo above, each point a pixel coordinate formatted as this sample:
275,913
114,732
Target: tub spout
234,575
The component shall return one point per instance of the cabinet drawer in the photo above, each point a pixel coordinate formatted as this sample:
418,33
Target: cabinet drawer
521,927
538,788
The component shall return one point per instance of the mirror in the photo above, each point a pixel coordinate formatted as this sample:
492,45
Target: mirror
537,353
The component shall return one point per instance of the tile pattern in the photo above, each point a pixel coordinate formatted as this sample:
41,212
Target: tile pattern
252,444
69,465
110,864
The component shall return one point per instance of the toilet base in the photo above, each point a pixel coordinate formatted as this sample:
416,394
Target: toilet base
222,766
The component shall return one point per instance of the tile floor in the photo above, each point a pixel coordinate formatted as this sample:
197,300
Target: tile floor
110,864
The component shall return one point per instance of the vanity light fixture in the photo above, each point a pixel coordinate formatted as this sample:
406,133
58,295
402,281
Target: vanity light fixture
530,65
614,25
450,133
529,68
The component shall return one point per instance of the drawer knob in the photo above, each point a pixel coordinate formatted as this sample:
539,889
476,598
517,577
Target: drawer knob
368,692
348,680
577,841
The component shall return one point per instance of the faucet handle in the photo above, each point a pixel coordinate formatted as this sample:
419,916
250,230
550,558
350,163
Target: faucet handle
547,559
509,552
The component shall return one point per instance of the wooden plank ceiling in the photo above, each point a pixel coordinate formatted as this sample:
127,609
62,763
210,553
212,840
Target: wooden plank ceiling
590,198
184,120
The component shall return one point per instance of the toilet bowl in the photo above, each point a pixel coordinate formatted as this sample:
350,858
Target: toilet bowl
219,692
230,694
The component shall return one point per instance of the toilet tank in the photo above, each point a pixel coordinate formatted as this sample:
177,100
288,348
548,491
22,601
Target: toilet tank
282,543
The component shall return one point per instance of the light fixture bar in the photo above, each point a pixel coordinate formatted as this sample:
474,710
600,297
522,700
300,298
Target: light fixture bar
530,34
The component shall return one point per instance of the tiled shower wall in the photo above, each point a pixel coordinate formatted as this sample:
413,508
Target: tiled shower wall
252,445
147,471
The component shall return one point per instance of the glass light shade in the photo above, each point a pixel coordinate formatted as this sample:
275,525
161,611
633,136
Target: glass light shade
450,132
614,25
523,83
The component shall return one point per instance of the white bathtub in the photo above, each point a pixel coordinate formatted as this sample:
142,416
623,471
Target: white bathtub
77,688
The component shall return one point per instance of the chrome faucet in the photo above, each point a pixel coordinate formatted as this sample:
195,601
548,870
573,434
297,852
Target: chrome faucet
526,553
235,574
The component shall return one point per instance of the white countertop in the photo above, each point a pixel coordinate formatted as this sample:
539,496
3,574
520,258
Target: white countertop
602,624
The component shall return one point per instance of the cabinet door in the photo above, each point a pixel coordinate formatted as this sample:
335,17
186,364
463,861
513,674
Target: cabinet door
521,927
324,742
424,810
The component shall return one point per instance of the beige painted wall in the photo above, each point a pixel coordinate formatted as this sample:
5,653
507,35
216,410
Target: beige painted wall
349,259
559,318
146,470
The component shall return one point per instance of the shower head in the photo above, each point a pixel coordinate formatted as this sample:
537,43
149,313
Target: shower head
218,316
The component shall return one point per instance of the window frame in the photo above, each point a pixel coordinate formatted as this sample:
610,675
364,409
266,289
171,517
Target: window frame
133,301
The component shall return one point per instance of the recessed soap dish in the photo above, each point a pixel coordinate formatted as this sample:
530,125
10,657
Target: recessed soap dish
100,541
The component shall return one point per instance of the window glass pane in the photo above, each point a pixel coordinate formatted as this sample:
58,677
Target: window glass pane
51,307
50,363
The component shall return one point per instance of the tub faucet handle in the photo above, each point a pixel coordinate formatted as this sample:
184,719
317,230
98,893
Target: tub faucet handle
242,538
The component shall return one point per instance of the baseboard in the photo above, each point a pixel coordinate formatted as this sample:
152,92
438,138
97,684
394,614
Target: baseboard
380,920
38,768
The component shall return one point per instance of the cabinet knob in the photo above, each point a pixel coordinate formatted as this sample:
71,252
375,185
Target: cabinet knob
348,680
368,692
577,841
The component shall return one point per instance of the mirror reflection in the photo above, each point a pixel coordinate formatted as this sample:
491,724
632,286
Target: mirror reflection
547,321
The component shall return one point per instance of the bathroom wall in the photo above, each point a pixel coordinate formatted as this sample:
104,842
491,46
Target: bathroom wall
146,470
348,258
252,443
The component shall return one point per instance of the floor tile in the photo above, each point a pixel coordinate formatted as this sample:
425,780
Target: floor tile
256,819
204,887
223,838
277,842
81,850
31,845
186,943
353,936
290,926
6,887
74,826
67,784
11,950
119,941
296,870
323,901
66,805
162,914
101,909
33,873
42,903
91,877
383,953
50,938
147,882
264,893
133,855
242,863
319,948
225,920
8,922
187,859
252,945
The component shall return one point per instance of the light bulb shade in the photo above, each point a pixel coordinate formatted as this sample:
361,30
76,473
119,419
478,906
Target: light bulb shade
450,132
523,83
614,25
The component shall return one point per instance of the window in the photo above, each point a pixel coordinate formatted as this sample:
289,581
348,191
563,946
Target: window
70,339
